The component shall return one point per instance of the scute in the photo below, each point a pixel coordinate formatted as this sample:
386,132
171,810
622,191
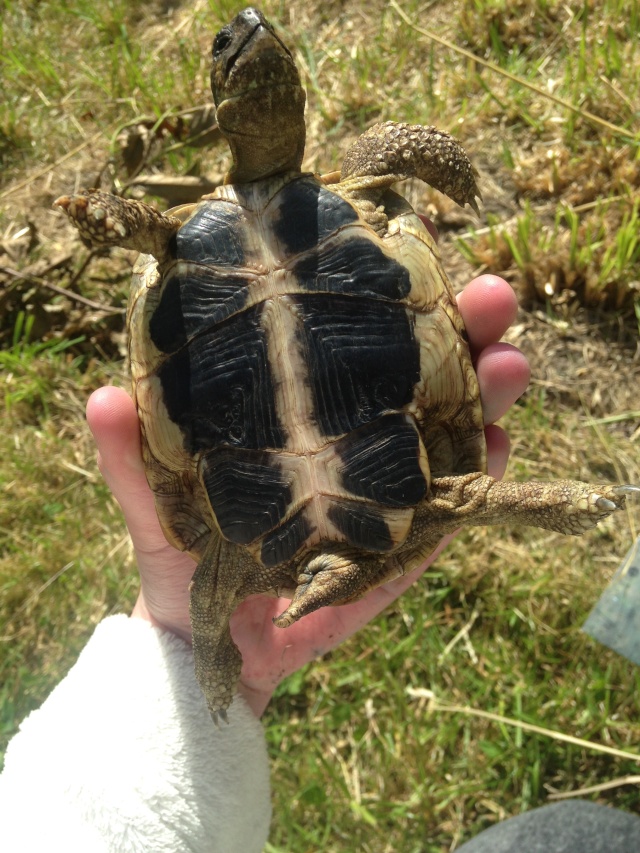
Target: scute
308,213
355,267
382,462
363,526
219,389
212,236
194,299
287,540
363,359
247,491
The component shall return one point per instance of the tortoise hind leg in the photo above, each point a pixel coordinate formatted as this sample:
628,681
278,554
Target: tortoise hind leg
104,219
214,593
565,506
570,507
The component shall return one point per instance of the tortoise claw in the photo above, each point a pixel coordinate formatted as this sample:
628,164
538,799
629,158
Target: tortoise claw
626,490
606,505
620,492
216,716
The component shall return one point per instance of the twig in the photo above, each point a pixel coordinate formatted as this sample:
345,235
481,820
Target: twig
463,634
614,128
614,419
78,273
436,705
595,789
41,282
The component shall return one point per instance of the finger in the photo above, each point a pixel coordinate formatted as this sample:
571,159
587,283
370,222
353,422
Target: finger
113,420
164,572
498,446
428,224
488,306
503,375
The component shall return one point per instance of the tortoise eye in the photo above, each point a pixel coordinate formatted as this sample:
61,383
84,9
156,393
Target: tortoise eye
222,40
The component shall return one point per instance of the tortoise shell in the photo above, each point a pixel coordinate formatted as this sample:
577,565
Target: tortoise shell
299,379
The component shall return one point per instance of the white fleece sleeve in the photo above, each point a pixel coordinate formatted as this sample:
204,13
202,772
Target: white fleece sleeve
123,756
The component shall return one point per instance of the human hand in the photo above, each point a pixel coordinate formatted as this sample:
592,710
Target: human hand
488,306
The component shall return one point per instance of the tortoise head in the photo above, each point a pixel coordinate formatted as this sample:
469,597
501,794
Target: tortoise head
259,99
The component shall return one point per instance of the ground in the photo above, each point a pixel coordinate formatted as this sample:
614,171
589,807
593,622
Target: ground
117,96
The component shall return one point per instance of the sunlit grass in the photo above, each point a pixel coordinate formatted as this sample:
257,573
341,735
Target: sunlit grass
360,762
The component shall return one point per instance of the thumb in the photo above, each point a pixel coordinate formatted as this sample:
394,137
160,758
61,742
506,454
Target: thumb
113,420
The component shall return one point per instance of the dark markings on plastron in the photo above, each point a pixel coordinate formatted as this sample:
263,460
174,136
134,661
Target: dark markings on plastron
285,541
356,266
362,526
246,490
363,358
309,213
167,327
381,462
193,300
213,235
218,389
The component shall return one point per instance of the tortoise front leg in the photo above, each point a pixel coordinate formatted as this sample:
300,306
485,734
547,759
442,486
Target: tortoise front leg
392,152
108,220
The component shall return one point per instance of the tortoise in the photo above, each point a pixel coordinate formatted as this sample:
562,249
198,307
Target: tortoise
310,415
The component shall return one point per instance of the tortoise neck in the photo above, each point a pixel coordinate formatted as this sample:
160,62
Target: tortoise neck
265,132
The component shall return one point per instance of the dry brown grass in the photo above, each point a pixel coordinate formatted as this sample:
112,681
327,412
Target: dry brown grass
356,763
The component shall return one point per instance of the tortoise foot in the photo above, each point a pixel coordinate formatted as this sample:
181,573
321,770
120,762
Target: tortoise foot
104,219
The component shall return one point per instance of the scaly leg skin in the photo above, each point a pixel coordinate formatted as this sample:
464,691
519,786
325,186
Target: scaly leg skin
225,576
566,506
213,598
108,220
392,152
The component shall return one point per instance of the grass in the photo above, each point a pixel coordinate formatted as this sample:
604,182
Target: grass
595,257
363,756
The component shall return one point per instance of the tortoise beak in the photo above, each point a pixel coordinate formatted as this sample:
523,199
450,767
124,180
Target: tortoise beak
247,54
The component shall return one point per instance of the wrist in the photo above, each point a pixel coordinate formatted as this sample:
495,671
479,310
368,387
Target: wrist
257,700
142,611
